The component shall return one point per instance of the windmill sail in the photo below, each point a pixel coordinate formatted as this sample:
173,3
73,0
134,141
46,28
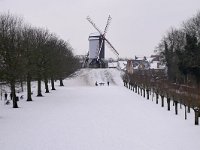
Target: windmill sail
112,47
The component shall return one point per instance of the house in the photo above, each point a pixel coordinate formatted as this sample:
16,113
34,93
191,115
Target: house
155,63
137,64
145,63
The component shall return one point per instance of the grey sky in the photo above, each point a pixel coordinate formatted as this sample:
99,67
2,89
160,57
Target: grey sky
136,27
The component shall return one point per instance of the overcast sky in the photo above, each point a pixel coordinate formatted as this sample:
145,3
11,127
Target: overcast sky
136,28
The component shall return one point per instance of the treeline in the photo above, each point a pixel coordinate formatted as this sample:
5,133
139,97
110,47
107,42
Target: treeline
32,54
180,49
155,82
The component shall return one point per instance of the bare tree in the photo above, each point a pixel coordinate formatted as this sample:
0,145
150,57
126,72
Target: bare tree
10,50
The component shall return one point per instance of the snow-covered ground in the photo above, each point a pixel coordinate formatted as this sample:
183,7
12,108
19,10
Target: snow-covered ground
82,116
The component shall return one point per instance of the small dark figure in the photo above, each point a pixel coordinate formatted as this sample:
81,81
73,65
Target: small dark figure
6,95
7,102
22,97
108,83
96,83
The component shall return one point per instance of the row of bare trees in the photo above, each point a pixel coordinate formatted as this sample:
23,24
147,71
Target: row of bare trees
146,82
29,53
180,50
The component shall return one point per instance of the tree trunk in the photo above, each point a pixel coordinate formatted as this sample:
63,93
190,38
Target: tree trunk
144,92
135,88
185,111
162,100
29,98
157,96
46,85
196,118
39,94
196,113
188,109
141,91
147,94
12,85
176,107
168,103
52,84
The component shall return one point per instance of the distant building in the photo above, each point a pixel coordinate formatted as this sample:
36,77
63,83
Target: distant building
143,63
122,64
156,64
112,64
137,64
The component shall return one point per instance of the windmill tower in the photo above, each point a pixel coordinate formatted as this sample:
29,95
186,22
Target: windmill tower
95,40
96,54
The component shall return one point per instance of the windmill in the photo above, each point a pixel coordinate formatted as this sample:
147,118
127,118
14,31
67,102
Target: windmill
96,55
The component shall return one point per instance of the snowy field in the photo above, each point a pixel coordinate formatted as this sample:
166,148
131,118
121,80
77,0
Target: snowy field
81,116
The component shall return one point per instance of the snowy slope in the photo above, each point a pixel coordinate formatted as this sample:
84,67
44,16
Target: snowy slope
88,77
81,116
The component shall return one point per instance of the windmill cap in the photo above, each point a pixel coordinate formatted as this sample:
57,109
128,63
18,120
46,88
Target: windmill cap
94,34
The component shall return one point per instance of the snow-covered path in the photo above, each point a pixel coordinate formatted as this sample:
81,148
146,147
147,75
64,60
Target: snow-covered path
77,117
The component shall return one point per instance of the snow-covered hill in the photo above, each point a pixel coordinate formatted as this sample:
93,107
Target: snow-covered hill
88,77
82,116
